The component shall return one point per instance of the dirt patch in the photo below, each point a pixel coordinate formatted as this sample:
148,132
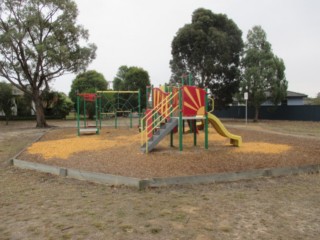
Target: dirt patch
117,151
14,138
42,206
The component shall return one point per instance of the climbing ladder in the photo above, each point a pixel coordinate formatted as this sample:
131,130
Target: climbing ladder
158,122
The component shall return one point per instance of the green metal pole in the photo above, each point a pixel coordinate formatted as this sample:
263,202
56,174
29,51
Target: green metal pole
191,80
180,120
84,113
147,97
171,114
152,106
151,94
116,120
100,109
139,106
206,120
181,123
194,126
118,102
96,113
131,119
78,114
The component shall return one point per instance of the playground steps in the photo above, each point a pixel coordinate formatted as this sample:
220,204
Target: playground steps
160,134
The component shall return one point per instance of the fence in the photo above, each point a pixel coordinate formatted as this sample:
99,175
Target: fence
302,113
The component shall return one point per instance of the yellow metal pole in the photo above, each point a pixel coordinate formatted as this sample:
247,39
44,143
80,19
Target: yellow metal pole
117,91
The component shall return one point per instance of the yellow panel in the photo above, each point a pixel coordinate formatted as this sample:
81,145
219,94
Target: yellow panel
189,106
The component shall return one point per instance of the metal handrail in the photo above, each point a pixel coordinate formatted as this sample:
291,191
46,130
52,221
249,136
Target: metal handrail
155,108
165,116
158,106
144,131
149,131
212,100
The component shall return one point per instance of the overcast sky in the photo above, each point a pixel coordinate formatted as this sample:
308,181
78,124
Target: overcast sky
140,32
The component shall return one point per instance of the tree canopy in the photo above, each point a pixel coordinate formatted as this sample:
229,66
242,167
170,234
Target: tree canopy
263,72
209,48
40,41
118,81
88,82
132,79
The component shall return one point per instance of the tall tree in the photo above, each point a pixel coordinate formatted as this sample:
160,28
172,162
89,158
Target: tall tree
40,41
6,103
118,81
88,82
133,79
209,48
263,72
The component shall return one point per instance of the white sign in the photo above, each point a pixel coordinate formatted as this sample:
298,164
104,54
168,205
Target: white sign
245,96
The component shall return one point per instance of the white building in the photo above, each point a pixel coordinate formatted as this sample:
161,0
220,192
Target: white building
17,93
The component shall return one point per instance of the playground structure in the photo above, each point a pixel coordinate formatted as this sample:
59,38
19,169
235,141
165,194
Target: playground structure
170,107
105,108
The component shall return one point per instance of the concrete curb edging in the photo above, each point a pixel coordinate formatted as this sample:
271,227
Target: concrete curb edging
233,176
103,178
36,166
166,181
78,174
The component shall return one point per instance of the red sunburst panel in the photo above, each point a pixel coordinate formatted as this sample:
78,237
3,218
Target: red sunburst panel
193,100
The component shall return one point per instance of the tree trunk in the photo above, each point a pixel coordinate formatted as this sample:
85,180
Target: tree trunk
41,120
256,114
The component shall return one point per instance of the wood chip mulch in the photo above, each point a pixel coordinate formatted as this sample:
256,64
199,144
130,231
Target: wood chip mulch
117,151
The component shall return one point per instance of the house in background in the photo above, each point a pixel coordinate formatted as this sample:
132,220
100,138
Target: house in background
17,93
14,109
292,99
295,99
295,107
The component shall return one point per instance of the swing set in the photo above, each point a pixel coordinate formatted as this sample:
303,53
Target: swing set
104,108
86,98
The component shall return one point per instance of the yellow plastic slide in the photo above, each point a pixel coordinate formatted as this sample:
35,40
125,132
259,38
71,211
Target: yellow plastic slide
235,140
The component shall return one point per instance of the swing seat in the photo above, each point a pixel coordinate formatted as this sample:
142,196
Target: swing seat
92,130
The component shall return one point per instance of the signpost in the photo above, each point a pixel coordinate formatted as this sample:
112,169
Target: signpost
246,98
